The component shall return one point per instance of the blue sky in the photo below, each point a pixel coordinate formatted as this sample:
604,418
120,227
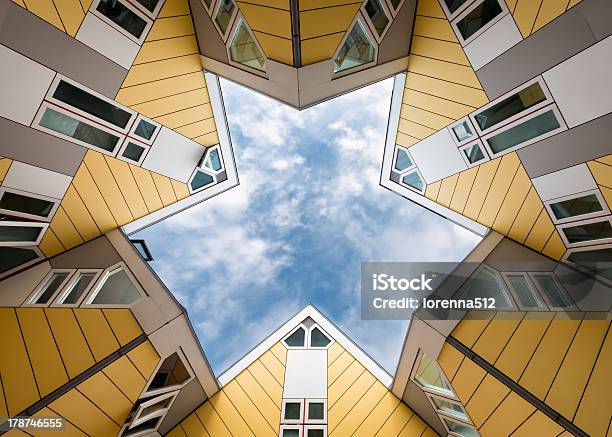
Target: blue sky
308,211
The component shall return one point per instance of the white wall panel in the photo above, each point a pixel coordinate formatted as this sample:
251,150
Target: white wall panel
173,155
306,374
23,85
101,37
429,152
36,180
493,42
582,85
564,182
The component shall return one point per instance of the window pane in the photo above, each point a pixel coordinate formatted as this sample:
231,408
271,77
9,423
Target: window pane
50,288
214,161
377,15
26,204
19,233
244,50
588,232
11,257
487,285
395,3
463,430
315,433
78,288
224,14
91,104
510,106
122,16
117,289
523,291
578,206
597,260
524,132
356,50
297,338
318,339
414,180
133,151
450,408
555,295
462,131
291,433
428,376
473,153
293,410
478,18
149,4
453,5
171,372
315,410
63,124
403,161
200,180
145,129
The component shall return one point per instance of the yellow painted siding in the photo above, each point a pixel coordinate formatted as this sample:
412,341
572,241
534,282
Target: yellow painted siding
66,15
5,164
532,15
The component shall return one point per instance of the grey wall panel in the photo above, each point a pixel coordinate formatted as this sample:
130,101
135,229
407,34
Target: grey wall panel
396,43
32,37
598,13
95,254
583,143
209,40
418,402
27,145
559,40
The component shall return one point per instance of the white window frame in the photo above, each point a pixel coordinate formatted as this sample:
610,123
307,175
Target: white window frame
128,140
292,421
531,285
395,153
132,132
451,16
580,223
465,11
444,417
417,364
586,270
484,151
86,115
158,391
544,295
412,170
34,249
551,107
139,418
520,116
151,15
430,398
366,28
308,339
316,421
297,428
45,105
10,212
605,210
388,14
394,11
207,155
42,225
232,33
500,281
470,124
315,427
39,290
102,280
193,174
210,8
140,40
67,287
230,24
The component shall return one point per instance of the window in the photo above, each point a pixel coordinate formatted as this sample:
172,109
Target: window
133,152
14,257
402,159
315,431
462,131
586,232
49,287
448,407
577,206
414,180
143,249
459,428
297,338
318,339
475,21
26,206
552,290
290,431
454,5
377,15
430,377
124,17
150,6
147,414
115,288
292,411
14,233
597,260
145,129
473,154
84,133
510,106
77,287
201,180
356,50
93,105
316,410
171,374
523,291
244,49
224,15
213,160
487,284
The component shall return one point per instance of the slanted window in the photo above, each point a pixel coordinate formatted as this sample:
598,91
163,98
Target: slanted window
148,413
145,129
581,206
149,5
291,431
402,160
478,18
244,49
297,338
460,428
318,339
473,153
356,50
115,288
122,16
13,233
172,374
77,287
201,180
414,180
523,291
292,411
487,284
133,152
316,410
587,232
552,290
377,15
429,377
213,160
315,430
448,407
462,131
13,257
224,15
26,206
49,287
454,5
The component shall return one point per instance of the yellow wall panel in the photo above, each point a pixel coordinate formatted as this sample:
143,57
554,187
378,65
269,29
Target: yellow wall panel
126,377
71,14
3,410
84,414
167,48
316,4
520,186
44,356
64,229
430,8
199,128
127,184
268,408
435,104
164,188
454,73
5,164
192,426
247,410
211,421
20,3
74,207
463,189
135,94
549,10
319,22
435,48
333,352
499,189
50,245
320,48
468,330
278,4
573,3
267,19
447,189
274,366
396,422
145,183
17,377
605,160
276,48
466,380
168,105
280,352
230,416
513,411
341,403
378,415
145,358
45,9
415,426
541,232
432,190
601,172
438,28
450,359
86,4
184,116
154,71
525,14
456,92
569,384
172,27
538,424
106,396
528,214
485,399
362,408
405,140
180,189
123,323
337,368
554,248
173,8
607,195
69,430
93,200
209,139
70,340
493,339
270,385
424,117
480,188
414,129
98,333
343,383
